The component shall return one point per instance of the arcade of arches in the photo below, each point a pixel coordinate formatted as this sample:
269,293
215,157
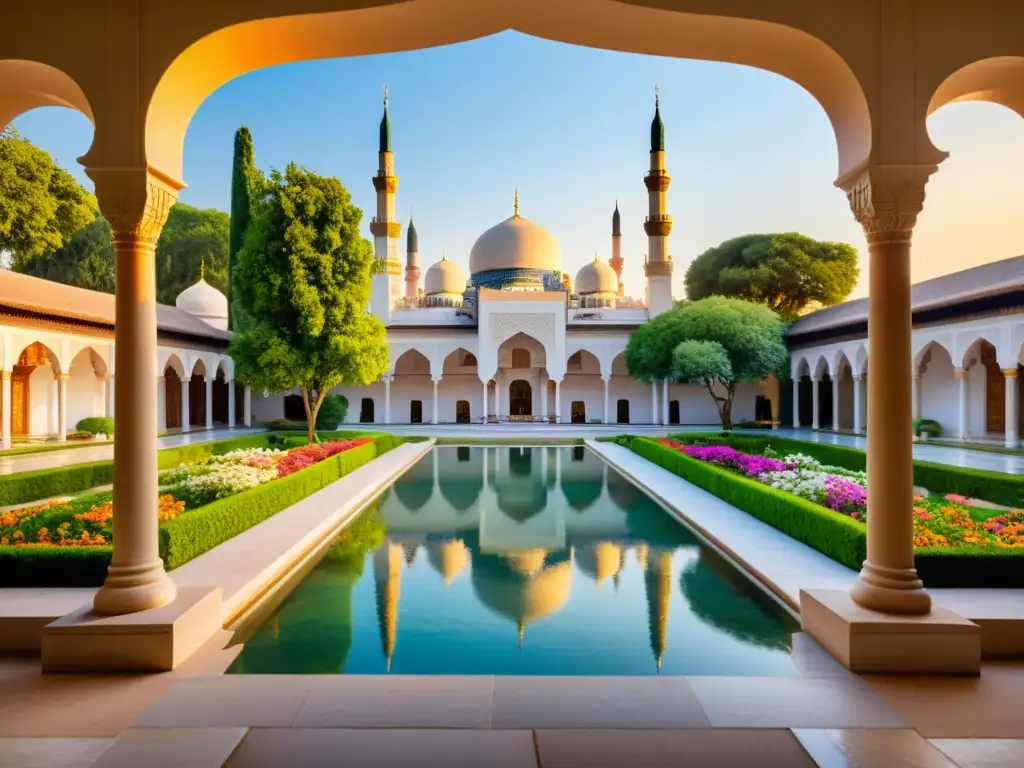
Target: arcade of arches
141,92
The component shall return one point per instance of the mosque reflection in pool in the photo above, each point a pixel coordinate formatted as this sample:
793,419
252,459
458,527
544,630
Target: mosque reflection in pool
518,560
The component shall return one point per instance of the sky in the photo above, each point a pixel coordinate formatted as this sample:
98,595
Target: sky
748,151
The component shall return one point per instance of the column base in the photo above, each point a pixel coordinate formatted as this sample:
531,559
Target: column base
864,641
891,591
130,589
157,640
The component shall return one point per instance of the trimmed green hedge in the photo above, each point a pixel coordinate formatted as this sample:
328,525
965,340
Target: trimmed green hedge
836,536
96,425
53,566
997,487
200,530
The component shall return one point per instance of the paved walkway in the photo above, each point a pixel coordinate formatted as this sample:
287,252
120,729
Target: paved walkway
46,460
941,454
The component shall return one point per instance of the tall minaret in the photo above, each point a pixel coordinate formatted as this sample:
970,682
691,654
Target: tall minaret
658,224
387,269
616,260
412,266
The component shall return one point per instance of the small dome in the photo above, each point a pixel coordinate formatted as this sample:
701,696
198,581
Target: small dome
596,277
204,301
444,277
515,243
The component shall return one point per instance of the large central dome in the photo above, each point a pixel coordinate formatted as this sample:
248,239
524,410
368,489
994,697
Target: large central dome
516,252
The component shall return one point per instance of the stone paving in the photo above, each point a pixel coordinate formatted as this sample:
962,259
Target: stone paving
48,459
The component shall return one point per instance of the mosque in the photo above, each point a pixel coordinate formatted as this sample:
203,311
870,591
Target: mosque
519,339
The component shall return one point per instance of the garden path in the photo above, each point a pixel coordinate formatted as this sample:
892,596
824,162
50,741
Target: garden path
10,465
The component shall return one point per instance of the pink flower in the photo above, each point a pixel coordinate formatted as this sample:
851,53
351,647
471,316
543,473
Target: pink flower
956,498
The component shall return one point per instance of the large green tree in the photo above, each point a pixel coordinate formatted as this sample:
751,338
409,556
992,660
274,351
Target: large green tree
303,280
41,204
243,178
785,272
192,237
86,260
715,342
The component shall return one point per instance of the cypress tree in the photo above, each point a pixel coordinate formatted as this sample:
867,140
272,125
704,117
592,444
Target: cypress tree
242,174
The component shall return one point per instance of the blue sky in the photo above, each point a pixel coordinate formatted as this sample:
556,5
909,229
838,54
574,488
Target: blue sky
747,150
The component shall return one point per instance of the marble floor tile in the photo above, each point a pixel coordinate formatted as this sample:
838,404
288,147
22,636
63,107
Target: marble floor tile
50,752
595,702
694,748
983,753
376,701
231,700
864,748
171,748
765,702
377,748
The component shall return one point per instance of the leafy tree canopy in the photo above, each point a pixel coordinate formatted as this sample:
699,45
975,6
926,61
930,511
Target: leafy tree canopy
302,279
715,342
785,272
41,204
86,260
191,237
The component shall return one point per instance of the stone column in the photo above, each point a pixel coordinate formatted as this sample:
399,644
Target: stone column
654,402
963,377
435,414
135,201
247,406
607,412
796,401
186,415
544,395
387,399
1012,407
558,401
915,396
886,201
62,406
5,442
161,404
815,417
835,403
497,394
105,384
858,410
664,401
110,399
209,401
483,413
53,426
231,404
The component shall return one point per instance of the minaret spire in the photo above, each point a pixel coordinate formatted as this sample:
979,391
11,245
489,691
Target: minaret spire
615,262
385,228
412,266
658,223
515,205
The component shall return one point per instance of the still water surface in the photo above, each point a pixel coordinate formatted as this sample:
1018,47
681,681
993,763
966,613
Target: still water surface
519,561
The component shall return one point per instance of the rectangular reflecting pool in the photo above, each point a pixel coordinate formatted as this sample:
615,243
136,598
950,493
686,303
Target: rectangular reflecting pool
518,561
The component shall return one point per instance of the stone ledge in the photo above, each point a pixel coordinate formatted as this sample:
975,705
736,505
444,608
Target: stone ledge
157,640
941,643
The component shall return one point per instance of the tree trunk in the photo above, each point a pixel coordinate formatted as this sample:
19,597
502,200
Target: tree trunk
310,416
727,415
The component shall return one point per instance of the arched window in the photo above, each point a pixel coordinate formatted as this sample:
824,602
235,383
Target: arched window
469,360
462,412
520,358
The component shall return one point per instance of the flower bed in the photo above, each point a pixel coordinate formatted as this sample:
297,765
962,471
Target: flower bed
825,507
32,539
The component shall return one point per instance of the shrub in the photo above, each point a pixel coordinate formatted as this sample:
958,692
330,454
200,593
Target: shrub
928,427
836,536
23,487
80,435
332,412
54,566
96,425
198,531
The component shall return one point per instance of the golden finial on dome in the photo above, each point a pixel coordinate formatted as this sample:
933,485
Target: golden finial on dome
386,95
655,95
595,256
202,268
515,205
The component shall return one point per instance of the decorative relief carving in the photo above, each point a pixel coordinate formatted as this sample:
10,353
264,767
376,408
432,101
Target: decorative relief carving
657,182
886,199
539,326
658,269
392,229
135,201
387,184
658,227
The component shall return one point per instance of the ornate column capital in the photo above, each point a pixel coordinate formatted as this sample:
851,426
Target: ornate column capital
886,199
64,377
916,377
1010,373
960,373
135,201
105,377
5,375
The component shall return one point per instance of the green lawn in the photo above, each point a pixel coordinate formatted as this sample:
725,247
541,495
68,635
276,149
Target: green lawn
25,450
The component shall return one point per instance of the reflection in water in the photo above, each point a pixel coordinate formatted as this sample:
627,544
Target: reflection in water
525,523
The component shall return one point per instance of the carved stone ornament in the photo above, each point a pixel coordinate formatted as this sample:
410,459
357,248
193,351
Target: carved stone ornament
886,199
658,269
387,184
657,181
658,227
135,201
539,326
